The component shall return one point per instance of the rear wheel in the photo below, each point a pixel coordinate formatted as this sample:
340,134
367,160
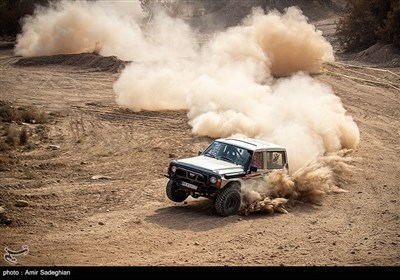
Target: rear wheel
228,201
174,193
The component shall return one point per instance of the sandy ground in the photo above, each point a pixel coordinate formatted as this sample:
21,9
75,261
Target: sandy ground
127,219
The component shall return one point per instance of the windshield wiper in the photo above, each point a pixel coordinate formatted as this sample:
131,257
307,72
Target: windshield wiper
209,155
228,159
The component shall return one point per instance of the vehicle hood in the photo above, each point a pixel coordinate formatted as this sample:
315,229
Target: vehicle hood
220,166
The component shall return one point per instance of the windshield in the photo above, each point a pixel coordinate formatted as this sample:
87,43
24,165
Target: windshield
227,152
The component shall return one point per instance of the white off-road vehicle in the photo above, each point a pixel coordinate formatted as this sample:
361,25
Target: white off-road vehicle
219,171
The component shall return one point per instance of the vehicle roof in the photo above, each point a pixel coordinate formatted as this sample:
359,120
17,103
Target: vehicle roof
251,144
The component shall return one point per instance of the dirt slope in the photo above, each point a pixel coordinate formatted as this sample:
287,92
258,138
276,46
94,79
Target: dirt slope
219,16
72,219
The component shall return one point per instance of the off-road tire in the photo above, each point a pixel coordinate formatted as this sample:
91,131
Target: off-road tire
228,201
174,193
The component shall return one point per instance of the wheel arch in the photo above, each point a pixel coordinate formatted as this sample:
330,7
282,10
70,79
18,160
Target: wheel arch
233,183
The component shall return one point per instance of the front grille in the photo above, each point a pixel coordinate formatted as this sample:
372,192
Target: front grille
190,177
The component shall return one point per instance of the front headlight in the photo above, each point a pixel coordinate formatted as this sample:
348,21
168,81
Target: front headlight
213,180
173,169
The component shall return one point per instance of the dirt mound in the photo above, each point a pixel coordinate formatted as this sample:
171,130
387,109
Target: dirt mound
219,17
7,42
83,60
6,45
380,54
314,10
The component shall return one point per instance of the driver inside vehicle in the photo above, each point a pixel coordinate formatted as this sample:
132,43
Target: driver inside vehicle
233,154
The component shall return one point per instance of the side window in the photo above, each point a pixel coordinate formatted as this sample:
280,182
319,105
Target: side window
257,160
275,160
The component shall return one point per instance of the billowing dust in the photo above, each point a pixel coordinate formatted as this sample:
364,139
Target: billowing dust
252,79
110,28
309,184
231,87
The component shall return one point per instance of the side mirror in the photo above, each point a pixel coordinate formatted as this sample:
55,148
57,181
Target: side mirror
253,169
199,153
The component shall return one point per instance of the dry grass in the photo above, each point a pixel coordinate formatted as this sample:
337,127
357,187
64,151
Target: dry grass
23,136
14,133
12,136
31,114
3,146
6,160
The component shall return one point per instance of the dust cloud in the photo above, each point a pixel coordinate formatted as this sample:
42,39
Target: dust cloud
231,87
310,183
110,28
252,79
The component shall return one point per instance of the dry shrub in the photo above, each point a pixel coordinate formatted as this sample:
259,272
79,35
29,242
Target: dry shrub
6,160
12,137
367,22
3,146
8,113
30,114
23,136
42,131
33,115
12,11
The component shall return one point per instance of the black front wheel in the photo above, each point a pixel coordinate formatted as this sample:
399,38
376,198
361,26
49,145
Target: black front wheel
174,193
228,201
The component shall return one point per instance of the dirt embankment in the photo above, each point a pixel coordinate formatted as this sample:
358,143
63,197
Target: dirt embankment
83,61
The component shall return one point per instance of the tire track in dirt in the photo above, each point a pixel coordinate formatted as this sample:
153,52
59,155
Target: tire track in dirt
376,111
75,220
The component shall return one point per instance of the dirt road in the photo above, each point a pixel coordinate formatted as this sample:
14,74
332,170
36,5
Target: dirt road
126,219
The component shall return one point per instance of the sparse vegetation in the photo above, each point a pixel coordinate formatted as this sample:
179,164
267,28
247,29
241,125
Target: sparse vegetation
8,113
30,114
42,132
12,136
15,132
23,136
368,22
4,161
3,146
11,12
